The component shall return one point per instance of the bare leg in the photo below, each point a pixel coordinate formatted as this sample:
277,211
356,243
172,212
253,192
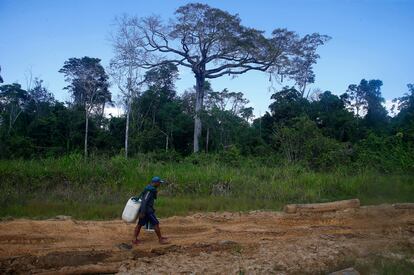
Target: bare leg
136,233
161,239
158,231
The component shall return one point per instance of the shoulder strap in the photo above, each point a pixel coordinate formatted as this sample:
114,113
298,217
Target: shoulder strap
146,196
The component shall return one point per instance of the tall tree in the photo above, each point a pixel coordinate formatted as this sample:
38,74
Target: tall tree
355,97
40,98
406,102
128,80
158,106
405,118
376,116
125,72
288,104
13,101
212,43
330,114
366,101
88,85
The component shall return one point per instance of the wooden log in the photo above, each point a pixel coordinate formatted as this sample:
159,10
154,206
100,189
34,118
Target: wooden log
403,205
322,207
347,271
86,269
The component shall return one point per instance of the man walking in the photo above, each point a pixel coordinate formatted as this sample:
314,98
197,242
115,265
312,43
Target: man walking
146,212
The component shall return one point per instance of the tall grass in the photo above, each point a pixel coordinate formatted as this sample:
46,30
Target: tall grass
99,187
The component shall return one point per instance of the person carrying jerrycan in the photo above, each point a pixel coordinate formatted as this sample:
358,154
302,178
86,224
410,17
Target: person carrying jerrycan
146,212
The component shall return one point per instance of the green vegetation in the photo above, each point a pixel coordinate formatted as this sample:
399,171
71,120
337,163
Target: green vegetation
99,188
386,266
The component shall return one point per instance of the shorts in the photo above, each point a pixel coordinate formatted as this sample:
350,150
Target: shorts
149,217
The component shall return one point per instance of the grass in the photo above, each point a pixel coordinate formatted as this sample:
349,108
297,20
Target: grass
98,188
165,207
386,266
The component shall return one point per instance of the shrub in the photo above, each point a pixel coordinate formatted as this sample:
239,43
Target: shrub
304,142
385,153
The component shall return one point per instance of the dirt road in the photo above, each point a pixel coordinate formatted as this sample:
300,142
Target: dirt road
222,243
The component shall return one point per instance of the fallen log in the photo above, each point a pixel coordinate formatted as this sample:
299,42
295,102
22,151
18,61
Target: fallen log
347,271
403,205
322,207
86,269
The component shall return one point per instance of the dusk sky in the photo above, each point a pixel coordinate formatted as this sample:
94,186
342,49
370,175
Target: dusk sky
370,39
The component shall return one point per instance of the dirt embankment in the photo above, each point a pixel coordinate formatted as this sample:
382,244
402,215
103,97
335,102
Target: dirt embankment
225,243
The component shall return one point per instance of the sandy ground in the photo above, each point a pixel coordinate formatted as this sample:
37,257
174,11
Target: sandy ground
257,242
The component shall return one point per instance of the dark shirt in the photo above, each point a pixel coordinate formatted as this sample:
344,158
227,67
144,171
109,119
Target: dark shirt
147,200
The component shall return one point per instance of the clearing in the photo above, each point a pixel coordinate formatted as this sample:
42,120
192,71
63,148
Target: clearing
222,243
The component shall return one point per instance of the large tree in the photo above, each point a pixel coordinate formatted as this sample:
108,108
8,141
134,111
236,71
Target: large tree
405,118
214,43
377,114
13,101
330,114
88,85
366,100
288,104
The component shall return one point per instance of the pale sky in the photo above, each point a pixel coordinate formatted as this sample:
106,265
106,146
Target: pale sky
370,39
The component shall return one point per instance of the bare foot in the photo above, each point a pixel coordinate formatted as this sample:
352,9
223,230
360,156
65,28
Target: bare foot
163,240
136,242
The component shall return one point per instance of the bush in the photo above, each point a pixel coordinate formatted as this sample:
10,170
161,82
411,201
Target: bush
304,142
385,154
231,156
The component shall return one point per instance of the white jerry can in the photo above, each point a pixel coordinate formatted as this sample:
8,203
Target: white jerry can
130,213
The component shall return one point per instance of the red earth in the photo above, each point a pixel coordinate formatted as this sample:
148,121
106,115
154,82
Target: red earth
221,243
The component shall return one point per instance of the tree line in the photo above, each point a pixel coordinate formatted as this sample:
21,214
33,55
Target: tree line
319,128
34,123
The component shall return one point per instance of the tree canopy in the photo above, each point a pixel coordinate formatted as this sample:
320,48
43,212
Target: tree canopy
213,43
88,84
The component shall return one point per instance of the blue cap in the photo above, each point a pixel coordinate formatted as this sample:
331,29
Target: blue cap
157,179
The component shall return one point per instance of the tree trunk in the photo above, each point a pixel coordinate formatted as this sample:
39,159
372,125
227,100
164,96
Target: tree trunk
198,109
102,114
260,126
10,123
86,132
171,140
12,119
303,90
207,138
127,128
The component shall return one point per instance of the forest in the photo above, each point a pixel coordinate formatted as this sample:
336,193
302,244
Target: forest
321,130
